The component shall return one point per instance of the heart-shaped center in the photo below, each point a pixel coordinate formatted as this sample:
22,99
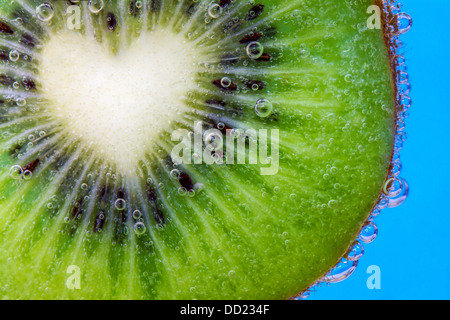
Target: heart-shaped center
117,104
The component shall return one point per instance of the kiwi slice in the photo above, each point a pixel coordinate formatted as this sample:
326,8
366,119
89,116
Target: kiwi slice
294,104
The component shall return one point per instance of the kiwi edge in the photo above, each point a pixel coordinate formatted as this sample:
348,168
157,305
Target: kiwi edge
391,13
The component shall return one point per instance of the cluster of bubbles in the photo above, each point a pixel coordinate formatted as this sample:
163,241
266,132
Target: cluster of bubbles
18,173
395,189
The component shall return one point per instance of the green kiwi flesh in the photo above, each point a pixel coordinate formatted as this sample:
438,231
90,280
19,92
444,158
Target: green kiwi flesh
149,228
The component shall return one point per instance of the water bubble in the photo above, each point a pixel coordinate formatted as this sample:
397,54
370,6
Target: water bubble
263,108
182,191
42,134
404,23
95,6
255,87
137,214
225,82
14,55
21,102
120,204
84,186
348,78
31,137
355,252
139,228
199,187
341,271
255,50
15,172
396,189
175,173
220,125
138,4
66,219
369,232
276,189
27,175
44,12
293,197
332,204
215,11
214,141
16,85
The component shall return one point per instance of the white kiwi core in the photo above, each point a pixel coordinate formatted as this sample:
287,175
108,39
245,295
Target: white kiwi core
117,104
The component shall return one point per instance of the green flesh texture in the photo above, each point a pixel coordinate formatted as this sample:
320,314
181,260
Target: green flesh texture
244,236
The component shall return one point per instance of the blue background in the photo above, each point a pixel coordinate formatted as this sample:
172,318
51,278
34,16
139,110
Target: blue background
413,244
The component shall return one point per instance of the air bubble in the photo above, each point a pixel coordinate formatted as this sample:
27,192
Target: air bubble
175,173
396,189
84,186
263,108
138,4
342,271
255,50
15,172
355,252
225,82
45,12
215,11
214,141
14,55
404,23
369,232
137,214
348,78
139,228
95,6
182,191
27,174
21,102
120,204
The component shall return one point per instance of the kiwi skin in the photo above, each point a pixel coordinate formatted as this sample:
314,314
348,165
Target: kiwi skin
247,246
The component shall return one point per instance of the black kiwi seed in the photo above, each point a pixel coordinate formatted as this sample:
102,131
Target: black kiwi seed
76,211
4,56
99,221
231,87
224,3
252,83
255,12
155,5
28,83
186,181
28,40
31,166
264,57
111,22
6,80
254,36
135,11
159,217
4,28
